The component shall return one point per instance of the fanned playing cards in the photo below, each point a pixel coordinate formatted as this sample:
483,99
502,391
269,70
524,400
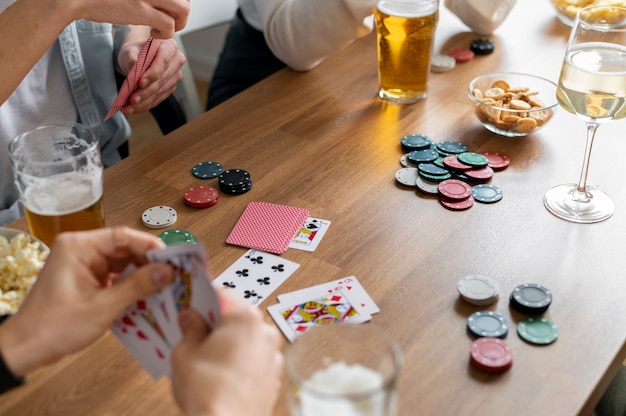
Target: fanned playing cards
267,227
131,83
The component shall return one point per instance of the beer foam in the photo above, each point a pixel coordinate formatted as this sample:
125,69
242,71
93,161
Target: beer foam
403,8
63,194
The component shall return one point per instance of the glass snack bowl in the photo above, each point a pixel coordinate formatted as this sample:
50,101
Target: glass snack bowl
513,104
566,9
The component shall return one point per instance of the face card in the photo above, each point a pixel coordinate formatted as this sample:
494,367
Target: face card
349,285
297,318
255,275
310,234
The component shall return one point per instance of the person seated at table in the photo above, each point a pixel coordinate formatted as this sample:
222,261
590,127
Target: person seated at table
266,36
59,63
76,298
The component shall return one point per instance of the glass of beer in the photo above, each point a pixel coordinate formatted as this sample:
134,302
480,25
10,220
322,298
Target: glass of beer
406,32
59,174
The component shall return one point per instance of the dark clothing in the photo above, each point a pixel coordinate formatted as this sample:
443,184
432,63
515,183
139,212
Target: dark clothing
245,60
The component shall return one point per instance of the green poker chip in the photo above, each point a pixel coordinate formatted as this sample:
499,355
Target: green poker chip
537,331
177,236
473,159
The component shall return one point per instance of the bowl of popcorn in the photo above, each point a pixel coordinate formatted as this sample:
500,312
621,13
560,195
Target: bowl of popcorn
566,9
513,104
21,258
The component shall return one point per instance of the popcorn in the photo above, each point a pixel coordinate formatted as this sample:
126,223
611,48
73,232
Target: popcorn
21,259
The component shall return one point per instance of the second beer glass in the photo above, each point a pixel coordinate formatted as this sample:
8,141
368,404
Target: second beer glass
406,32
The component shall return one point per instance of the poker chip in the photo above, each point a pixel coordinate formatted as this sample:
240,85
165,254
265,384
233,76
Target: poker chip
435,178
407,176
473,159
453,163
420,156
531,298
487,194
415,142
457,205
482,46
427,186
491,355
439,162
442,63
432,169
487,324
201,196
404,161
452,147
455,189
481,174
537,331
235,181
497,160
177,236
478,290
160,216
207,170
461,55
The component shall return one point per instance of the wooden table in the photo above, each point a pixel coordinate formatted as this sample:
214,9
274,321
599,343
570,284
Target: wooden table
323,140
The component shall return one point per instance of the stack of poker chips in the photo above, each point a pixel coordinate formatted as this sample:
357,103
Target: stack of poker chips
201,196
235,181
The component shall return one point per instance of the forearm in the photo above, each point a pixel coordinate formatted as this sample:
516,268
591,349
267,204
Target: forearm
133,38
302,33
19,348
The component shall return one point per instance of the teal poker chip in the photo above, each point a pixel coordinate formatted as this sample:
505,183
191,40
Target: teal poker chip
415,142
177,236
487,324
452,147
432,169
538,331
486,193
439,162
421,156
207,170
473,159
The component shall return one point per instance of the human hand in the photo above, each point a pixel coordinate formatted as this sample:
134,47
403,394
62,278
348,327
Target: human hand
161,78
76,297
235,369
164,16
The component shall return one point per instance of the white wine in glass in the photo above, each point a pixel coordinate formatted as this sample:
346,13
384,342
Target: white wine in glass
592,86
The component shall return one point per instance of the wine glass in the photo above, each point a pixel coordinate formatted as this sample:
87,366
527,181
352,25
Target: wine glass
592,86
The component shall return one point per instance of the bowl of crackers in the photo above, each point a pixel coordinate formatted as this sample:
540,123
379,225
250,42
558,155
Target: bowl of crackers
513,104
21,258
566,9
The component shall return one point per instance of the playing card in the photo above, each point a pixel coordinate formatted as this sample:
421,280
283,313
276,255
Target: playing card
310,234
143,342
131,83
297,318
255,275
267,227
349,285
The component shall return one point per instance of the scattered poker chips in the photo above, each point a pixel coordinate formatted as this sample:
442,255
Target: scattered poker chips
531,299
478,290
201,196
235,181
538,331
487,324
491,355
160,216
177,236
207,170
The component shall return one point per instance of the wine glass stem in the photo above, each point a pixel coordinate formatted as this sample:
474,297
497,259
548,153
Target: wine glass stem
581,189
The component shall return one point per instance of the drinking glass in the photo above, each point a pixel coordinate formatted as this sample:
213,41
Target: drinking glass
59,174
591,86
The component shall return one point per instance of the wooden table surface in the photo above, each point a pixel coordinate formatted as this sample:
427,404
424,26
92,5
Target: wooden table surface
322,140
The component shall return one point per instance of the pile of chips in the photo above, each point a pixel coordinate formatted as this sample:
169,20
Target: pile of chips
450,171
235,181
489,352
446,62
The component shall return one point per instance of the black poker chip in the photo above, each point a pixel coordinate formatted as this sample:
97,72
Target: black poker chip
482,46
420,156
487,324
531,299
235,181
430,169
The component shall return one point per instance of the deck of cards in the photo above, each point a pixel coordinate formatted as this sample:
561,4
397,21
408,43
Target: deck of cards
149,328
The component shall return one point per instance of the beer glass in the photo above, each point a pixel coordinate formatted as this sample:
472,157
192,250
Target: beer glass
405,32
343,369
58,172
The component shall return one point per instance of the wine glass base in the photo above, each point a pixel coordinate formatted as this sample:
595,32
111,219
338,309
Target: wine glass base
562,202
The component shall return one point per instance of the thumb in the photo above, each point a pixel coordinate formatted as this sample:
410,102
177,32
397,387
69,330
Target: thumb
193,327
140,284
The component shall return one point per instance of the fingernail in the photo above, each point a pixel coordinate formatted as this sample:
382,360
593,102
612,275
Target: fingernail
158,276
137,99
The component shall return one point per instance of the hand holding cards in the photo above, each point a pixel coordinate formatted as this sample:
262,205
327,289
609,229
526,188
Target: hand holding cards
149,329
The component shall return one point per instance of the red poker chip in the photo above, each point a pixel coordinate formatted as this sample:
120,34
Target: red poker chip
492,355
461,54
453,162
201,196
497,160
457,205
482,173
454,189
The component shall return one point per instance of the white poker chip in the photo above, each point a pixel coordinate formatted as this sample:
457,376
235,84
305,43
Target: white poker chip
160,216
478,290
407,176
427,186
404,161
442,63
